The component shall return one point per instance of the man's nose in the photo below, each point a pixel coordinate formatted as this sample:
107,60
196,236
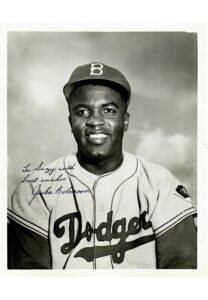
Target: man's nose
95,120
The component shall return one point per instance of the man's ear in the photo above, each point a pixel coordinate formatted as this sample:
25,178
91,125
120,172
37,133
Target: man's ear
70,122
126,121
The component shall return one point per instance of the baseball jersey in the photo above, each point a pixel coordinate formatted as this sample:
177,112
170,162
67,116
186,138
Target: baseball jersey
85,221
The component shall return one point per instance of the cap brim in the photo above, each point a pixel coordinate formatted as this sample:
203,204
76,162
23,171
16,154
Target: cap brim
70,86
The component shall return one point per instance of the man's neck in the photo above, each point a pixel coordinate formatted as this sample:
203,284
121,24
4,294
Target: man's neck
100,167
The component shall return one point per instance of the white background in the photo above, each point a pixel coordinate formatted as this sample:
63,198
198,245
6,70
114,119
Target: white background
109,14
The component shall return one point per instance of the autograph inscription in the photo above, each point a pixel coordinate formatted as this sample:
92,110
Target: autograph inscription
28,168
40,174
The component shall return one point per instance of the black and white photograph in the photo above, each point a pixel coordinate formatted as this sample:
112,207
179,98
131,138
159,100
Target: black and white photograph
102,150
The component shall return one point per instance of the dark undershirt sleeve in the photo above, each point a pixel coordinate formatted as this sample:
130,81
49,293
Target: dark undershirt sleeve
177,247
27,249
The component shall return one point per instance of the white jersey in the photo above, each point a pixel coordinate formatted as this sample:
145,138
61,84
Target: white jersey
100,222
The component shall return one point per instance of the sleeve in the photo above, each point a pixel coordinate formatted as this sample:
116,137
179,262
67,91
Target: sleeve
173,203
28,221
177,247
173,224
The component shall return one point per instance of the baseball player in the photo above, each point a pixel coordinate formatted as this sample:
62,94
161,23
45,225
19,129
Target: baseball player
101,208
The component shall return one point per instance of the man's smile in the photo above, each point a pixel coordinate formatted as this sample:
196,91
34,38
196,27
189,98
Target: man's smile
97,138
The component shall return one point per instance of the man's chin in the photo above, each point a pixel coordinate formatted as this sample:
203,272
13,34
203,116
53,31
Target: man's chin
97,156
94,155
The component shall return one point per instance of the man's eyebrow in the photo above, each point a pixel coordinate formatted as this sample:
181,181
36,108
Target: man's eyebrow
81,105
110,103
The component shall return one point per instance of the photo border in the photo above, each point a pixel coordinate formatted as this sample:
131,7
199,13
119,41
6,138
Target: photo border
202,148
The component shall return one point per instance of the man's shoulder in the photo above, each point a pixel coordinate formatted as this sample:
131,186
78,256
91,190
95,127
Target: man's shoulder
150,170
42,176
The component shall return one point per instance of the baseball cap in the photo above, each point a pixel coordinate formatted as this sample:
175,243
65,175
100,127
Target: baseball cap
97,72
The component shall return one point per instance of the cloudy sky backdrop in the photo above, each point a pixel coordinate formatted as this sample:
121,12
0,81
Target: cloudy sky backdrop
161,68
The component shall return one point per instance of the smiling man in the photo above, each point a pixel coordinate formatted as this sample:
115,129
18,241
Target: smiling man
111,209
98,120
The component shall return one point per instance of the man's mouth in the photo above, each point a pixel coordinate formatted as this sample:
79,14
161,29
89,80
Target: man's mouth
97,138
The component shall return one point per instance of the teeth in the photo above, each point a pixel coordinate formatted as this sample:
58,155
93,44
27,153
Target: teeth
97,138
97,135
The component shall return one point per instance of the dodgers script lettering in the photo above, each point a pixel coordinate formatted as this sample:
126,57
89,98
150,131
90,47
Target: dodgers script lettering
106,231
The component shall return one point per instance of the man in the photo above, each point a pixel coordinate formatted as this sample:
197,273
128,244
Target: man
103,207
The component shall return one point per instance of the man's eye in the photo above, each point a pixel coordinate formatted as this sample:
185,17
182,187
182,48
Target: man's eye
83,112
108,110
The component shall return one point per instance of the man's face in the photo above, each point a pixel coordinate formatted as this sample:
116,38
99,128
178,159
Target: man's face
98,120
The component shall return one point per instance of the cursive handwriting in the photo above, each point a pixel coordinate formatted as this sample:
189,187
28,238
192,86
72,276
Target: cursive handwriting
38,179
47,170
38,190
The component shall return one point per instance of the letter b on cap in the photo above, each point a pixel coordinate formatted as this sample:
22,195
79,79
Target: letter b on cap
96,69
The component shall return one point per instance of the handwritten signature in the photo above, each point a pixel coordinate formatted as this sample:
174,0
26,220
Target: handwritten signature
58,191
